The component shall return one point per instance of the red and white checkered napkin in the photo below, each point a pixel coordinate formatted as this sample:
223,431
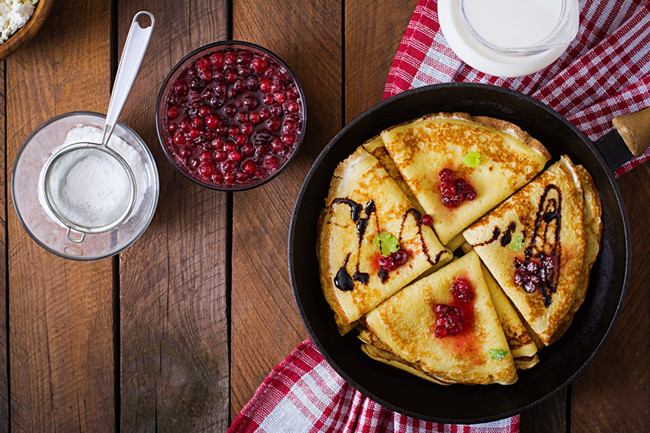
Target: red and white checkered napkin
303,394
603,73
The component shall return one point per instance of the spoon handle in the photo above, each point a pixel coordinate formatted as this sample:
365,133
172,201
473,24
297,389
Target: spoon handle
134,50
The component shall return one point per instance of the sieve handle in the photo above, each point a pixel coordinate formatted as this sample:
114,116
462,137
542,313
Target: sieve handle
75,240
134,50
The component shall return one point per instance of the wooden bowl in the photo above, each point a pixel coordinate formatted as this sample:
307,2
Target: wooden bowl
24,34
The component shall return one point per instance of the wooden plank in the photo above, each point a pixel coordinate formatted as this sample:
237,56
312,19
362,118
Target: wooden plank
612,394
173,306
373,31
266,326
60,311
4,386
550,416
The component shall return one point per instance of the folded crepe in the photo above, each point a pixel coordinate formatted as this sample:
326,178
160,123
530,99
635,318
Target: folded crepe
493,156
442,331
534,246
367,220
522,346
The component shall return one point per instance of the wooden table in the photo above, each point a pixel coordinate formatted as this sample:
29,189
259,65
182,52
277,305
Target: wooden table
177,332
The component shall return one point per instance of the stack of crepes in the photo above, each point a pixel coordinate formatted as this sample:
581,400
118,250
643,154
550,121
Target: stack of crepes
605,72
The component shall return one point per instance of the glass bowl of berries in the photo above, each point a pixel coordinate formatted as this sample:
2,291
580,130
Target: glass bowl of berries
231,115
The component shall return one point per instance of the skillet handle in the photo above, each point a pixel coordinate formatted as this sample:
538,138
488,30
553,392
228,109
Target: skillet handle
635,130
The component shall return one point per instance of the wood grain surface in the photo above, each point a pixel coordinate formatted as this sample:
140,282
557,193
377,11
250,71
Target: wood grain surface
60,314
174,361
177,332
4,385
266,326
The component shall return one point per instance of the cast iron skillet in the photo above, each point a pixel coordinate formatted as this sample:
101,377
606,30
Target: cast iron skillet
559,363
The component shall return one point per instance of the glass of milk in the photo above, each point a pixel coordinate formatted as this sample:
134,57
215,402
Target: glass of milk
509,37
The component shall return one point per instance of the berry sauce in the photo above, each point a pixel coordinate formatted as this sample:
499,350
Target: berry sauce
454,190
457,318
233,117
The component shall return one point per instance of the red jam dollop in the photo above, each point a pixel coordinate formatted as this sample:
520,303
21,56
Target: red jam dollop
453,319
233,117
454,191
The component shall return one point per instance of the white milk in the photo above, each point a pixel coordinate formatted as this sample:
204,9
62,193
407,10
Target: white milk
513,23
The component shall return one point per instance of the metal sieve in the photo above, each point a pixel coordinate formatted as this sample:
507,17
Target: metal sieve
89,187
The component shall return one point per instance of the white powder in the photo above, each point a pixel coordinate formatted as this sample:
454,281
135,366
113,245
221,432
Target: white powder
89,186
14,14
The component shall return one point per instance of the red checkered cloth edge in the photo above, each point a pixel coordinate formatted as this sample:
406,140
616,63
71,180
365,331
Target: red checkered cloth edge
303,394
604,72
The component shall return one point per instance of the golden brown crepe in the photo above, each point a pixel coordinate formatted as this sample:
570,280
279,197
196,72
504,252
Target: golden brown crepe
507,159
593,231
402,330
534,246
364,201
521,344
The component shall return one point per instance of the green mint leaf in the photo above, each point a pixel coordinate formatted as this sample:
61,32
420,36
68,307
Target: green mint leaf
497,354
472,159
517,243
386,243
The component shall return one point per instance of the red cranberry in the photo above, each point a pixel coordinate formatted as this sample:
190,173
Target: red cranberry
229,166
276,110
243,71
251,102
446,175
449,320
247,128
252,83
271,71
230,147
289,126
179,138
241,176
231,76
204,111
230,110
206,169
265,114
462,290
229,177
427,220
288,139
387,263
248,149
272,163
268,99
180,88
265,85
293,107
220,155
249,167
447,188
254,118
197,84
400,257
222,130
185,125
220,89
172,113
262,136
203,63
279,98
197,122
212,122
240,139
259,64
205,156
274,123
291,95
216,59
239,86
276,144
185,152
244,58
230,57
206,75
173,126
242,117
235,156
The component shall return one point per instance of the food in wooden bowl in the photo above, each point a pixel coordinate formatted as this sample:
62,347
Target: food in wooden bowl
539,245
20,20
231,116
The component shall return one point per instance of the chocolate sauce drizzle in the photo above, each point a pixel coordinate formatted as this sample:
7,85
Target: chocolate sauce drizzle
541,248
343,280
507,235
